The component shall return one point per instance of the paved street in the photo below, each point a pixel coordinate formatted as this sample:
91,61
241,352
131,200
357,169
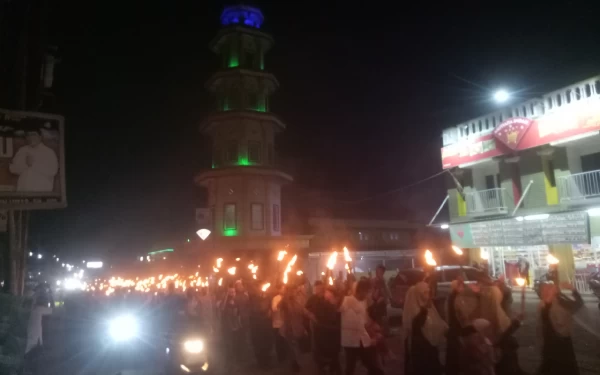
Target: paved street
74,358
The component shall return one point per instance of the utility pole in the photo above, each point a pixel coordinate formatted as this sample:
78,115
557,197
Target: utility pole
20,61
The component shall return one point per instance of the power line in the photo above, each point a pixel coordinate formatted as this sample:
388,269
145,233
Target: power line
398,189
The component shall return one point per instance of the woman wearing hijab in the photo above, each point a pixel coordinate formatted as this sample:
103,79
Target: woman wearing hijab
477,351
424,331
454,328
555,324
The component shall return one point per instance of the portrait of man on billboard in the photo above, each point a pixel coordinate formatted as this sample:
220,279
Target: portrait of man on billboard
35,163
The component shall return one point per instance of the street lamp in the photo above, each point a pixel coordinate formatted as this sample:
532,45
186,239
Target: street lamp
203,233
501,96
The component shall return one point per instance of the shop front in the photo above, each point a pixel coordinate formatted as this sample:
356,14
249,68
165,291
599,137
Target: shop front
519,245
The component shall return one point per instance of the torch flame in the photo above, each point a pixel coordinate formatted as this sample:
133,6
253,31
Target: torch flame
215,269
552,259
520,281
330,280
299,273
457,250
220,281
231,271
332,260
429,258
285,278
237,259
219,262
265,287
281,255
347,257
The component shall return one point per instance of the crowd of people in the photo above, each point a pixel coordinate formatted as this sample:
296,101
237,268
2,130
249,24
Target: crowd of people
348,320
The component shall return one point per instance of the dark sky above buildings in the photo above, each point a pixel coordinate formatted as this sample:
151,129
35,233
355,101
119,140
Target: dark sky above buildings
366,88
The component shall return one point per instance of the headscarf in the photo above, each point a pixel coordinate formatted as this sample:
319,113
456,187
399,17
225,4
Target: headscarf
487,304
417,298
560,317
492,311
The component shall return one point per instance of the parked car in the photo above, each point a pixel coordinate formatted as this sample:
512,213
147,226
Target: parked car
444,275
594,283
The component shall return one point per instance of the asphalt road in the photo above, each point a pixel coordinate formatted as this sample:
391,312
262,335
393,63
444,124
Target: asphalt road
68,352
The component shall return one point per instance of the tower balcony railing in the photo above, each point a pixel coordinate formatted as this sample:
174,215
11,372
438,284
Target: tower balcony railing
579,186
486,202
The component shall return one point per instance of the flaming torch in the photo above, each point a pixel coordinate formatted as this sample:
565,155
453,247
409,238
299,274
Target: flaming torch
429,259
265,287
231,271
219,262
553,268
521,282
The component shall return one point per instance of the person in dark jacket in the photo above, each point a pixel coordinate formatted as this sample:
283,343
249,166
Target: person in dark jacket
556,321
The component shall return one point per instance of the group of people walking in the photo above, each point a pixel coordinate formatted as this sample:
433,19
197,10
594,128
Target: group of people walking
349,320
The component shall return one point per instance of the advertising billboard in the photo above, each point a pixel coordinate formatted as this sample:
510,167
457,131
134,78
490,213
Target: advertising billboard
32,161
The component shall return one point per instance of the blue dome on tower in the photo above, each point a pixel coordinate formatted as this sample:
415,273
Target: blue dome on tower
242,15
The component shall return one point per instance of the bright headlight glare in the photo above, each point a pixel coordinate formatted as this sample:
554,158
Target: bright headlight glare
123,328
193,346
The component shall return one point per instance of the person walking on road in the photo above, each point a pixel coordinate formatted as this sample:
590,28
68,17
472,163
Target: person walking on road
555,325
355,339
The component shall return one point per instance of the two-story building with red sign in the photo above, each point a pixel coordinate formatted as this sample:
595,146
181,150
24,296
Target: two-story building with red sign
525,182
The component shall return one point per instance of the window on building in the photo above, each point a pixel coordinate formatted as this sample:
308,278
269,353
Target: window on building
249,58
490,181
232,152
270,156
217,158
229,220
590,162
252,101
394,236
276,218
257,213
254,152
550,173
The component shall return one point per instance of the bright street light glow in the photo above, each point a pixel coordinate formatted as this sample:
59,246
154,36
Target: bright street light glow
39,256
444,226
30,253
94,264
203,234
501,96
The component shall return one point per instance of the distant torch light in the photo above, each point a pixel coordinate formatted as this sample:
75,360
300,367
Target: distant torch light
94,264
347,257
299,273
231,271
281,255
552,259
457,250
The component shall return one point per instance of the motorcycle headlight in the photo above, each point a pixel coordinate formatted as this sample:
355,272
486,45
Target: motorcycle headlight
193,346
123,328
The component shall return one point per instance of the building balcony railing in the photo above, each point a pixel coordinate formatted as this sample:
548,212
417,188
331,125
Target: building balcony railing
486,202
579,186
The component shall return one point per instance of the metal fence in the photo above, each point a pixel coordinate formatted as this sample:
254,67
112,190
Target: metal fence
484,201
579,186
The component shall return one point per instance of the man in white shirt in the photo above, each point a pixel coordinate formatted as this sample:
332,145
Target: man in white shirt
277,321
355,338
36,164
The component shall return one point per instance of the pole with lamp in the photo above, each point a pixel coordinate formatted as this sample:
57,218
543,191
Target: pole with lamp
430,272
553,269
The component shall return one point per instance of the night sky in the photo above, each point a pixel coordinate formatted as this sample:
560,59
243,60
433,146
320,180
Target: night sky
366,89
